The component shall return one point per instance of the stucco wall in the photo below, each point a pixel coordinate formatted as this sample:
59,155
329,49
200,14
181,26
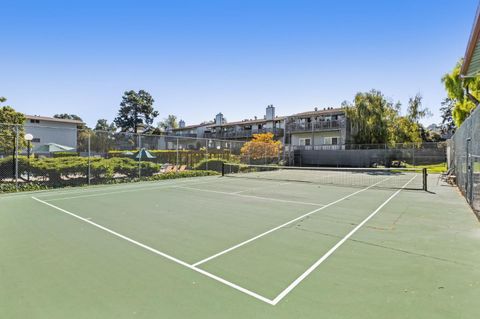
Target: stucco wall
53,132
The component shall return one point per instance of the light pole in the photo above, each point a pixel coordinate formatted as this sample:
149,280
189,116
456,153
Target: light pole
28,138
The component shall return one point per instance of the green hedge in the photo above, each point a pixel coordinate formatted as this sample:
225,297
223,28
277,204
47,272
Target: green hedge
185,157
65,154
211,164
73,171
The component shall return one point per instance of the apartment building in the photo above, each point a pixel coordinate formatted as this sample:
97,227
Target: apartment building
52,130
317,129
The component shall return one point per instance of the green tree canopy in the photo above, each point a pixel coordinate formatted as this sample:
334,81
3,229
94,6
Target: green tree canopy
168,123
102,125
136,108
462,93
448,125
9,116
375,120
66,116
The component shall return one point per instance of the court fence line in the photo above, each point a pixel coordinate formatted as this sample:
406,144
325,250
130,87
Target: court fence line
464,158
59,157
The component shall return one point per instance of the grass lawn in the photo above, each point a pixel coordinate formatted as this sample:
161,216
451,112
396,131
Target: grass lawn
432,168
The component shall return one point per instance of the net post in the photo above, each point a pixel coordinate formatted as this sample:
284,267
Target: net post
425,174
223,168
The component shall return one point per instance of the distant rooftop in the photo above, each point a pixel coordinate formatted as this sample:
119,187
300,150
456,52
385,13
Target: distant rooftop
328,110
51,119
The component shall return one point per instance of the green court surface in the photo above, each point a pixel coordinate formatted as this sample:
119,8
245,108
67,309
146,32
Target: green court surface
224,247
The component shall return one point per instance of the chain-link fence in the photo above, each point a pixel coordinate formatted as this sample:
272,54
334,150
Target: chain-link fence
35,156
368,155
464,158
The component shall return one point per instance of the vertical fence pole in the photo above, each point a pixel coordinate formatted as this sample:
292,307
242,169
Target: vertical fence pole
206,154
413,154
265,153
16,156
89,171
139,156
177,152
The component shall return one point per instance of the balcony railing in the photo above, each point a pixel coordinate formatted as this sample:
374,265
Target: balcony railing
277,132
183,134
316,126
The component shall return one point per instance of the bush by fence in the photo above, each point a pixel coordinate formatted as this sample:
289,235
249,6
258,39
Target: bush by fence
180,157
73,171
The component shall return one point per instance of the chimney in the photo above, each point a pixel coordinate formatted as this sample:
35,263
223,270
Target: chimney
181,124
270,115
219,119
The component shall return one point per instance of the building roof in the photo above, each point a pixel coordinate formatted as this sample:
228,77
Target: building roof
189,127
471,61
247,122
326,111
51,119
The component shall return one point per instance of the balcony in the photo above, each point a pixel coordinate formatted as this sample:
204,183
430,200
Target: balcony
183,134
316,126
277,132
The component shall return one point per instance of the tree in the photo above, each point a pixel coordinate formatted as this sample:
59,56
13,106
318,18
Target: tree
375,120
262,146
66,116
168,123
463,93
448,125
102,125
136,108
8,132
102,139
371,117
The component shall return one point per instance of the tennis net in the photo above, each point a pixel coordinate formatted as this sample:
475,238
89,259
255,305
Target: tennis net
408,178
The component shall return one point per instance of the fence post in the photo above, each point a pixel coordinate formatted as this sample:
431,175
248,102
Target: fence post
265,153
89,161
413,154
139,156
16,157
177,152
206,154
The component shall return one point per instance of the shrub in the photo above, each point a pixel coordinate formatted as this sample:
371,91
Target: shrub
184,174
73,171
210,164
65,154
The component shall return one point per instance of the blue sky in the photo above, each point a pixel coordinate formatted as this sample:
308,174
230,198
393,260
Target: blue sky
198,58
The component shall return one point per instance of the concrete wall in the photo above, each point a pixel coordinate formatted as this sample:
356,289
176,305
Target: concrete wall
366,158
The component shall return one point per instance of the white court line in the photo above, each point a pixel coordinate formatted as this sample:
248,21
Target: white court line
249,196
334,248
97,188
155,251
130,190
283,225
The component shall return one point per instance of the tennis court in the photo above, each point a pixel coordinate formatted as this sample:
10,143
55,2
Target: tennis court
256,243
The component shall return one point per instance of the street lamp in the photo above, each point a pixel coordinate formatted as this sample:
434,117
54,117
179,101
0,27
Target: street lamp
28,138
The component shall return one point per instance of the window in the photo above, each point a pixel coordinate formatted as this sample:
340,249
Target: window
36,140
330,140
304,141
34,121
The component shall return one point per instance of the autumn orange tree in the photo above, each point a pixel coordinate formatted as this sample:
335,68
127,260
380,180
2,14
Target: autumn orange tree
261,146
